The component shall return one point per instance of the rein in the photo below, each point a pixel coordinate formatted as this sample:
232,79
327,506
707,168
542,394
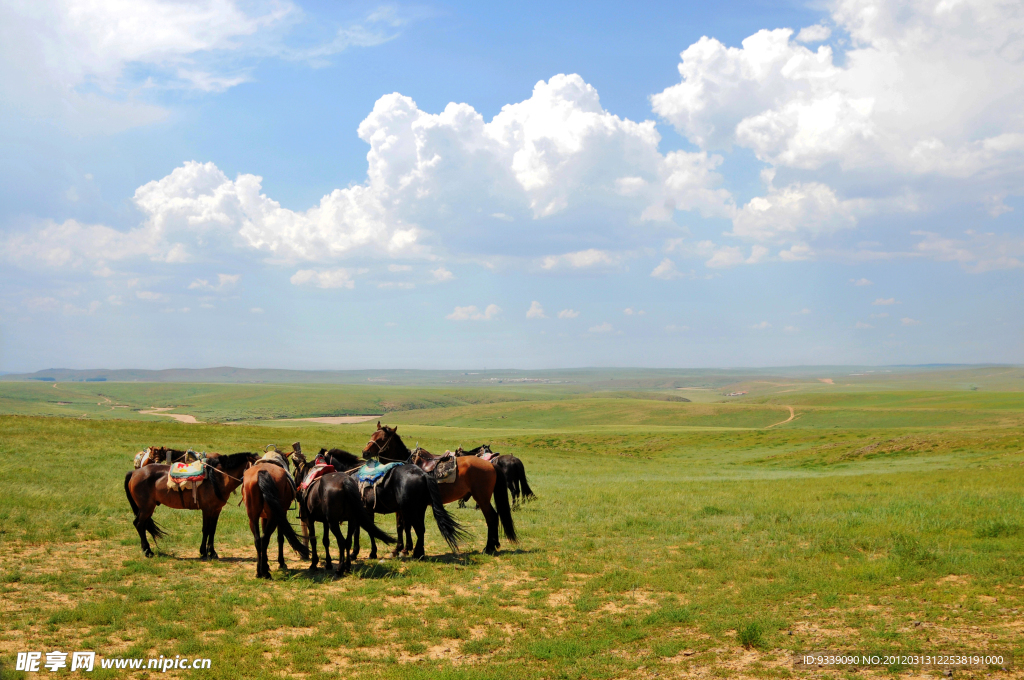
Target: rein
247,466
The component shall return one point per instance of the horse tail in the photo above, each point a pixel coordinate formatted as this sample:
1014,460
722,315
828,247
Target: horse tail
152,527
524,485
359,515
504,510
450,529
127,492
280,515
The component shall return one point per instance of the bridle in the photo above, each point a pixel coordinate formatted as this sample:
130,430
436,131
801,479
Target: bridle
381,448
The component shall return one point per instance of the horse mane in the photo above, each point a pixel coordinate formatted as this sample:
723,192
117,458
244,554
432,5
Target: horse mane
393,432
231,461
347,459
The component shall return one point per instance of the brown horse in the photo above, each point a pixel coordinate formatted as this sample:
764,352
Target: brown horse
146,488
476,477
268,492
510,466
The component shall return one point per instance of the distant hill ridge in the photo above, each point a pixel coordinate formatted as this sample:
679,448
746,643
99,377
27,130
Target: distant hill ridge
619,378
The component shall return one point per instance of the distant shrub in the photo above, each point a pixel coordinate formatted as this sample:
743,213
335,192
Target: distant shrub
752,634
996,528
909,549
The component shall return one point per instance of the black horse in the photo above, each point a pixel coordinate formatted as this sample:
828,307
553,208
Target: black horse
332,499
406,491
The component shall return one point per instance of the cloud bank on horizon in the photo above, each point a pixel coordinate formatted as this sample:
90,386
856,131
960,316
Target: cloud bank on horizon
882,114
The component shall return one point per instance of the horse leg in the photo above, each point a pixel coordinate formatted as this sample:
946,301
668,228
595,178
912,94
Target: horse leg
140,526
268,526
513,486
408,535
400,548
257,541
344,563
142,520
354,537
280,551
491,517
312,546
206,533
462,501
327,545
416,520
210,552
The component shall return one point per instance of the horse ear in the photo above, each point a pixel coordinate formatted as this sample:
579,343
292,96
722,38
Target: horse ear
378,424
395,429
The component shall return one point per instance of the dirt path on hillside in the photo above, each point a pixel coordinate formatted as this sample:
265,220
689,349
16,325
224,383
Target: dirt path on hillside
158,411
792,414
336,420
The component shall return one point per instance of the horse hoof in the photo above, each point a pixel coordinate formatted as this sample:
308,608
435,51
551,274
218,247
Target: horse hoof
282,565
214,555
149,553
204,557
491,551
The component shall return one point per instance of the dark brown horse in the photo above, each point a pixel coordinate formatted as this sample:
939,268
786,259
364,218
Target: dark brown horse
331,499
406,491
268,492
476,477
147,488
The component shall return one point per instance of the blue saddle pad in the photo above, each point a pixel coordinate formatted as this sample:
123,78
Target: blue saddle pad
374,471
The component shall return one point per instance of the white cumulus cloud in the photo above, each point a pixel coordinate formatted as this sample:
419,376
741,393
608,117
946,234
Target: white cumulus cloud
568,314
329,278
536,311
583,259
472,313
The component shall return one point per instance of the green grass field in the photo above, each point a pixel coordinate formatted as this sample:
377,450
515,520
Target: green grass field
709,538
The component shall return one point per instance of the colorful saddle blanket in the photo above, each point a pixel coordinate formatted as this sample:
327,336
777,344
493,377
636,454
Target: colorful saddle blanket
374,471
316,473
188,475
489,456
188,472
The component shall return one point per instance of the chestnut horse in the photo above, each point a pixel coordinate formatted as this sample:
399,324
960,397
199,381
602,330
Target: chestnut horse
476,477
510,466
146,488
268,492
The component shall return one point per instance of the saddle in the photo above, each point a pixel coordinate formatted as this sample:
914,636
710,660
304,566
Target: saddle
488,456
143,457
188,475
319,470
370,475
277,458
445,469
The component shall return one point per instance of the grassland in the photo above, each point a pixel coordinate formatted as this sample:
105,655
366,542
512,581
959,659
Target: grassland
671,539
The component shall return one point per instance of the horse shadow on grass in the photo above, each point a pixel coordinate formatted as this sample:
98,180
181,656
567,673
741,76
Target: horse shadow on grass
464,558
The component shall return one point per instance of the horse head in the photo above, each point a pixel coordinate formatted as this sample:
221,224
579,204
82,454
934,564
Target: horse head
380,441
298,462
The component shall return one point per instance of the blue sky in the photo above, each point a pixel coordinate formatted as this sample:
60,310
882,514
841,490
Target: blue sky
328,185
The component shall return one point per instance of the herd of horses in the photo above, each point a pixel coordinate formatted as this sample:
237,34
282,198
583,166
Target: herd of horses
269,488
